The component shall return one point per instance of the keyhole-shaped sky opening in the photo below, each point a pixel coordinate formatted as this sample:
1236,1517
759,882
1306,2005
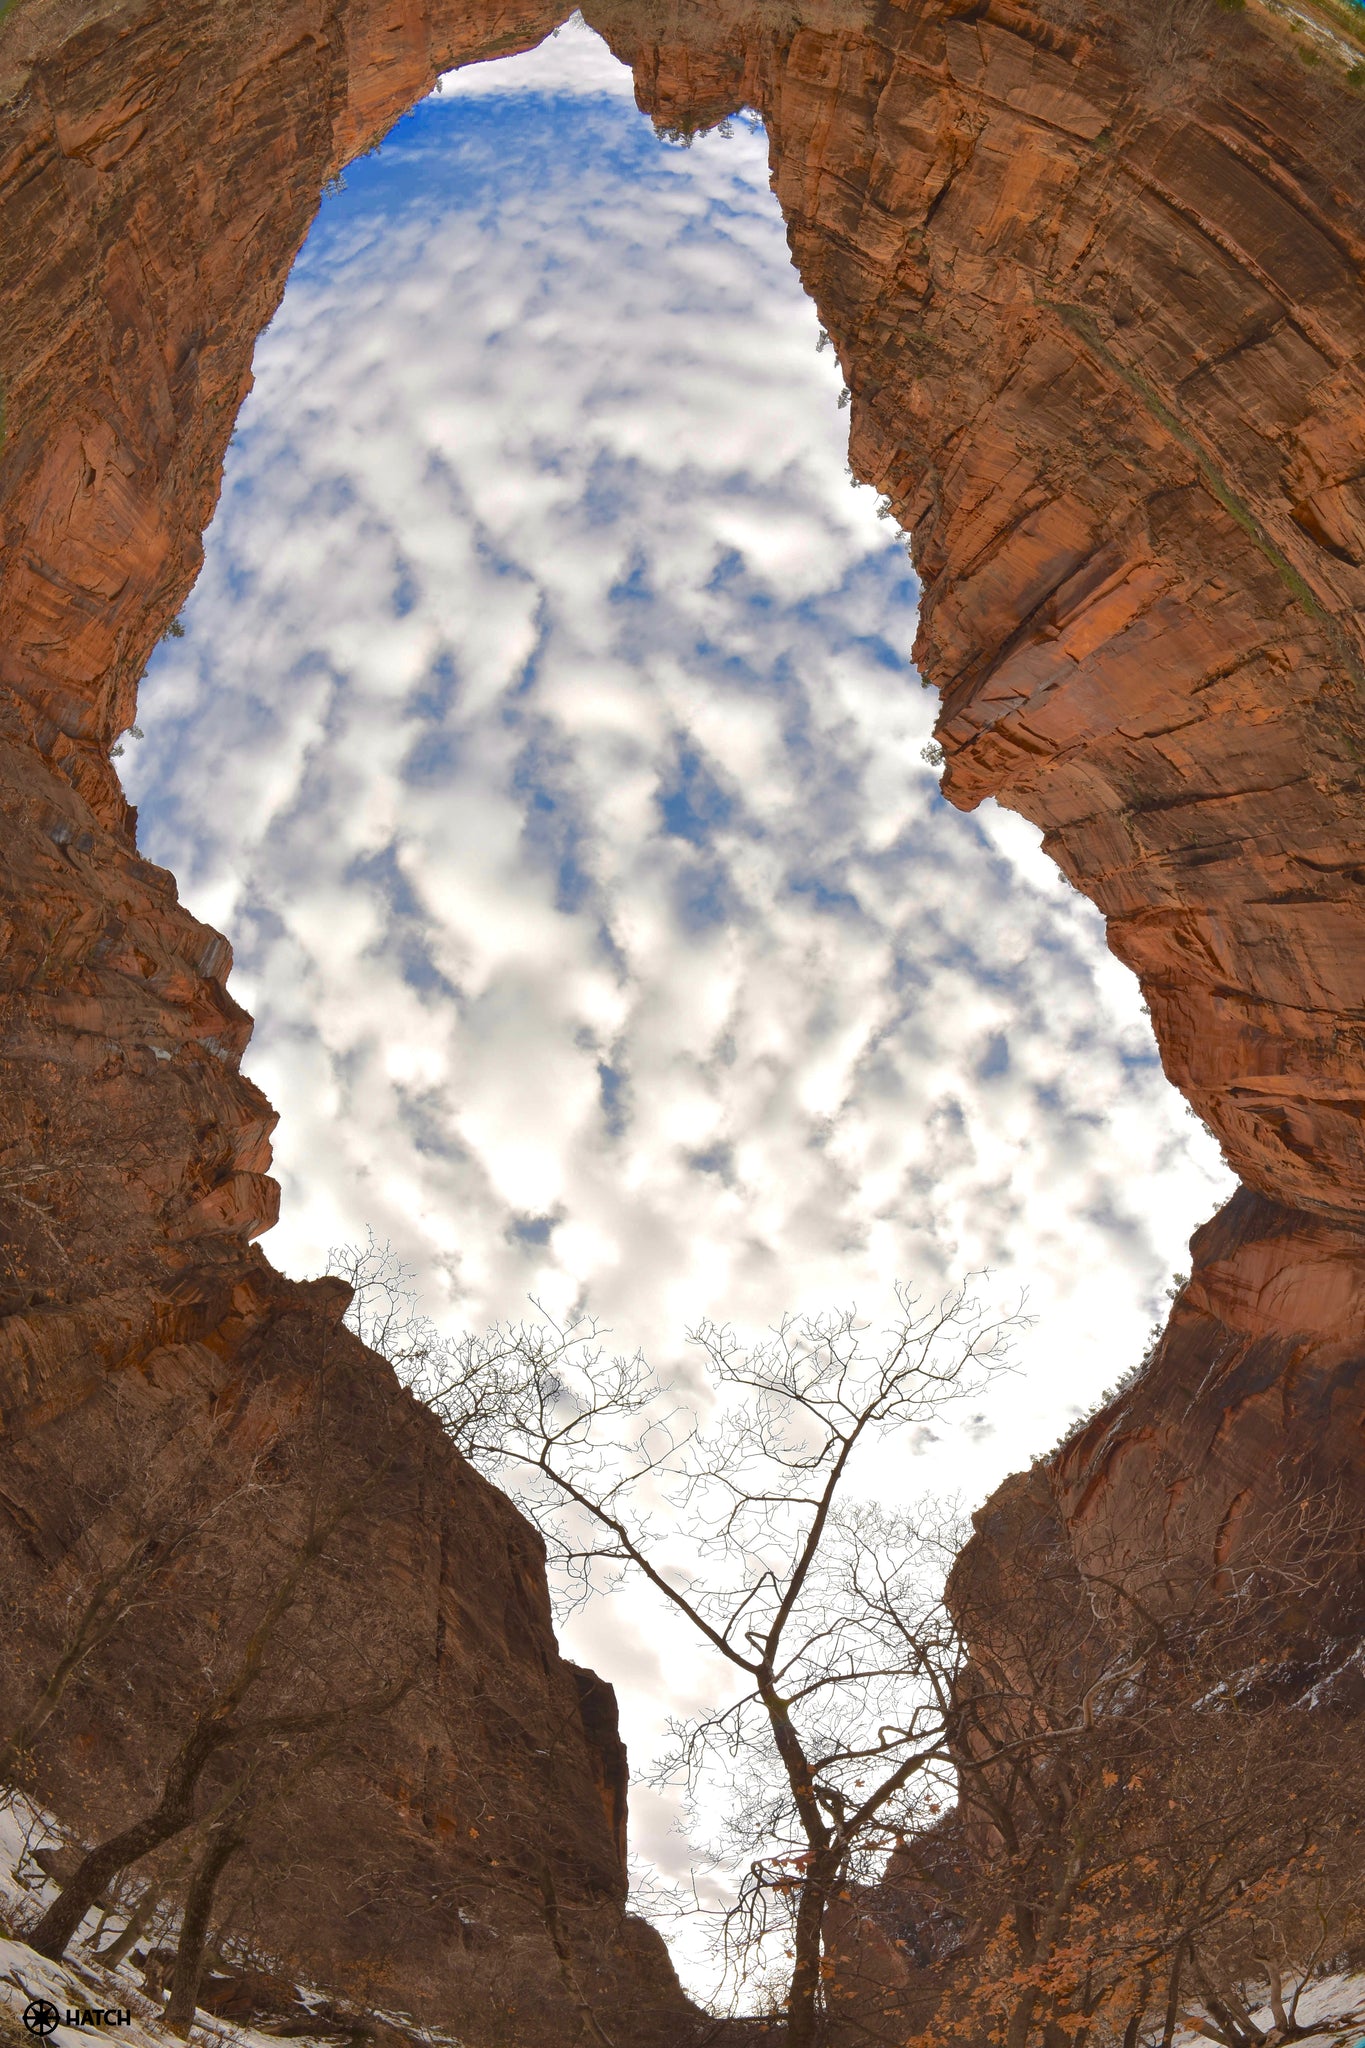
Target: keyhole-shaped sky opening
544,734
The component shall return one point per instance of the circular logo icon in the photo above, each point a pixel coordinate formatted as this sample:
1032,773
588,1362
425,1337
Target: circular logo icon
41,2016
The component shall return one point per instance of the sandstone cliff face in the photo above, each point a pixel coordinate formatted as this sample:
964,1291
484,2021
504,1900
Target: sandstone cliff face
158,171
1105,342
414,1868
1100,304
1103,326
1257,1381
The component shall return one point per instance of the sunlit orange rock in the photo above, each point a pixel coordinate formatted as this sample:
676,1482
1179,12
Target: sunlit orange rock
1103,321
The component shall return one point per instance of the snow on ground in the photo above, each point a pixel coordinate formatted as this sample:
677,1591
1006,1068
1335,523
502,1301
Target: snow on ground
80,1982
84,1985
1338,2002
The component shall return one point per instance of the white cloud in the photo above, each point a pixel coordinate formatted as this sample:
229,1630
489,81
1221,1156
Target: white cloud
544,738
570,60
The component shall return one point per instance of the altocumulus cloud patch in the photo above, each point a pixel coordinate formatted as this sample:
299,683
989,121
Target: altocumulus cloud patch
546,739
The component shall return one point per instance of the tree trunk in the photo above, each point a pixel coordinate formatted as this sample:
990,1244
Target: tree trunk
803,1998
102,1864
1021,2019
1133,2030
222,1845
96,1870
138,1920
1172,2014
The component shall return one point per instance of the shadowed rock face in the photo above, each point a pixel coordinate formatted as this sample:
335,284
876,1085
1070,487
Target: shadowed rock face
1102,315
159,168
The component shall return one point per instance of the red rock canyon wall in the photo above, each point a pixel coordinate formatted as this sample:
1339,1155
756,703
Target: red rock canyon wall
1098,295
159,168
1101,310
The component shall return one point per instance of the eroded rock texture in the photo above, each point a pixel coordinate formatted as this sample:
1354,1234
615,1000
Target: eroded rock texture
1098,296
158,171
1105,338
1100,306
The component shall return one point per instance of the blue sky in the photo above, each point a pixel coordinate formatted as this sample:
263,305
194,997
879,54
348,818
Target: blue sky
545,738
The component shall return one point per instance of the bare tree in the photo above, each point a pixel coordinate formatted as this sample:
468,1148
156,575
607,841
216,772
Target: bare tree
267,1786
384,1310
97,1610
216,1726
743,1527
469,1383
1151,1830
122,1564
